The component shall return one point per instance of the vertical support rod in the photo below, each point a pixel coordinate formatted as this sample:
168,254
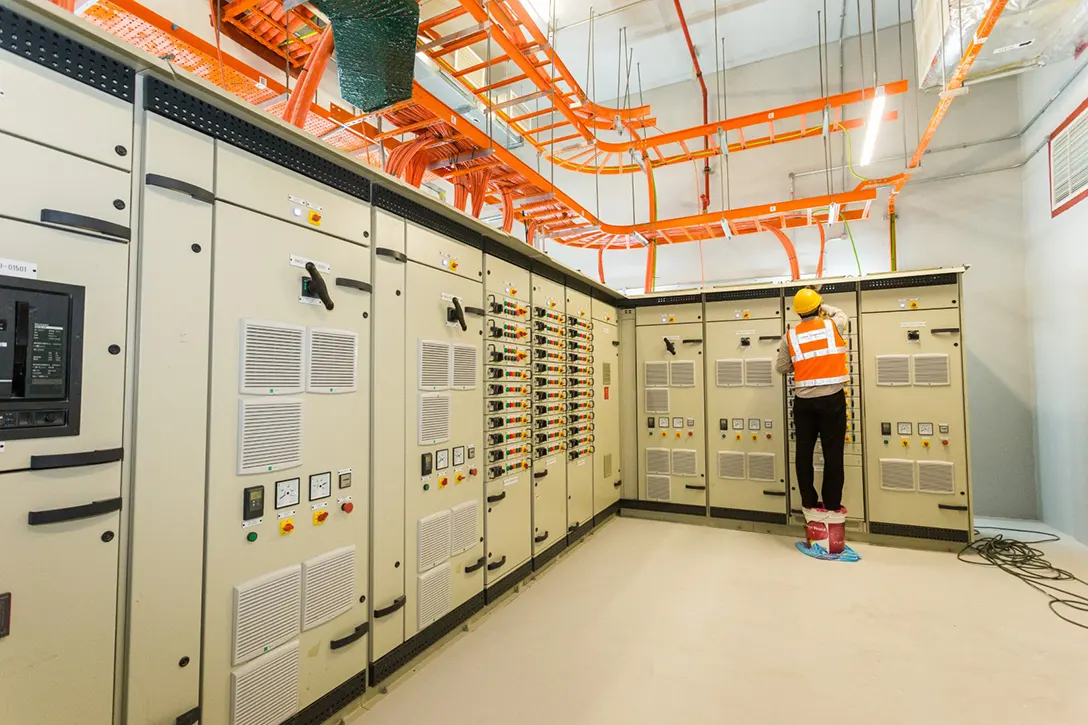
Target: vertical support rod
893,250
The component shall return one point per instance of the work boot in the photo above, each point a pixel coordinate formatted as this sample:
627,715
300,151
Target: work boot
816,531
836,530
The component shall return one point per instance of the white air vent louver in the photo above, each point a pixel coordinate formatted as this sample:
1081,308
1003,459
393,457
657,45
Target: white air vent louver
657,400
434,418
328,586
896,474
761,467
730,465
269,434
271,358
682,373
267,612
658,488
936,477
893,370
434,365
333,361
1069,162
465,367
607,464
685,462
606,373
435,590
931,370
729,373
464,526
266,691
657,375
657,460
759,372
434,539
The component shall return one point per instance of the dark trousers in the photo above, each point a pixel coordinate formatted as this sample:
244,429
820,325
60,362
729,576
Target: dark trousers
825,418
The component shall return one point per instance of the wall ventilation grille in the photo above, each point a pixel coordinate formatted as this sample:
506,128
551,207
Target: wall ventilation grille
931,370
730,465
267,690
464,367
657,460
434,539
1069,162
328,586
435,591
657,375
267,612
464,526
936,477
269,434
729,373
759,372
761,467
333,361
271,358
657,400
893,370
658,488
682,373
685,462
896,474
434,365
434,418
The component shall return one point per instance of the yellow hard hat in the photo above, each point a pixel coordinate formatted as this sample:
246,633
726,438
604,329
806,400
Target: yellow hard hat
806,301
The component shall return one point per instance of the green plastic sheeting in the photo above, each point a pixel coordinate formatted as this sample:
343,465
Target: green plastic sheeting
375,49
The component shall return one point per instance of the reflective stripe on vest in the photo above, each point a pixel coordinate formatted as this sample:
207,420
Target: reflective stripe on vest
818,353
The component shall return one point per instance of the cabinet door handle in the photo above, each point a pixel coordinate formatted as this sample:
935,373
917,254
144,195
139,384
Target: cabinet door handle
86,223
478,311
182,187
617,484
945,331
385,612
72,460
693,341
694,487
542,537
540,474
496,498
775,493
73,513
355,636
477,566
950,507
770,338
497,564
392,254
354,284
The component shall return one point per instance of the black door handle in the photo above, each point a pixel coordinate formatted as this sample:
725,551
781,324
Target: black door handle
769,338
477,566
694,487
617,484
540,474
457,314
945,331
693,341
775,493
317,282
182,187
478,311
355,636
497,564
392,254
73,513
397,604
354,284
950,507
496,498
71,460
542,537
87,223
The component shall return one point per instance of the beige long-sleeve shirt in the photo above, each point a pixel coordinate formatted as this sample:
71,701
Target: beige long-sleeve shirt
785,363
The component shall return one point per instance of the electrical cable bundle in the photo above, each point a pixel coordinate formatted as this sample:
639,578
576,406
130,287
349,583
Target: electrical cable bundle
1025,562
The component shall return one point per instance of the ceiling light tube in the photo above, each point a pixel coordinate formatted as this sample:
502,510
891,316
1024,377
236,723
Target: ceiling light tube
640,239
876,114
833,213
727,229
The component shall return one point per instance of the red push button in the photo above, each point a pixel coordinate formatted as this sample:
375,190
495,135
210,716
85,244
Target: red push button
347,507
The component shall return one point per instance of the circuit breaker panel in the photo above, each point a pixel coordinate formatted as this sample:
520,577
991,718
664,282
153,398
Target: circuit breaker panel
670,406
507,418
581,428
916,423
550,358
605,411
844,296
746,457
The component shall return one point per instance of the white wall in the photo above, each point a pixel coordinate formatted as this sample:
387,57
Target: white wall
1057,266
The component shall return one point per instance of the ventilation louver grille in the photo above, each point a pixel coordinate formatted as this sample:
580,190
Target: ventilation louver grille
434,539
434,365
269,434
606,373
761,467
328,586
729,373
464,367
685,462
266,691
893,370
896,474
682,373
657,375
333,361
464,526
271,358
931,370
759,372
657,400
1069,162
435,590
267,612
434,418
657,460
730,465
936,477
607,465
658,488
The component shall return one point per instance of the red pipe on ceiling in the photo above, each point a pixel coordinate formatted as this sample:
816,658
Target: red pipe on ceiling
702,85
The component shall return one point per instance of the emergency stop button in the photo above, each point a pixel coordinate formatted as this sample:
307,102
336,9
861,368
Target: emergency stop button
347,507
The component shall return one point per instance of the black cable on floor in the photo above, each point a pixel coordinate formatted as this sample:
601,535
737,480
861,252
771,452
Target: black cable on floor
1022,560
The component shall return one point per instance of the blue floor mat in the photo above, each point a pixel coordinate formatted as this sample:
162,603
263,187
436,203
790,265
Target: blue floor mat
817,552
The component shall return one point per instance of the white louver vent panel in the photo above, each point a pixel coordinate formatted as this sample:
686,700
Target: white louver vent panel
269,434
266,691
606,373
685,462
761,467
896,474
730,465
1069,162
464,526
682,373
434,540
435,590
333,361
607,465
464,367
657,375
936,477
893,370
729,373
267,612
658,488
328,586
434,365
657,460
434,418
657,400
759,372
931,370
271,358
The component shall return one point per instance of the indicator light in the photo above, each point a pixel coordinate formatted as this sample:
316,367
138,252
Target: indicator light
251,536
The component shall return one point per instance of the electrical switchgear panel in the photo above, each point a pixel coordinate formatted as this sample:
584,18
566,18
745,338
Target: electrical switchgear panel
580,426
551,403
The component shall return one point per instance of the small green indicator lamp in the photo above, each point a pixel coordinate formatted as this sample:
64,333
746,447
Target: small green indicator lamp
251,536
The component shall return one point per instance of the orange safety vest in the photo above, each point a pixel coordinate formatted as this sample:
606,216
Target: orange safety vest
818,353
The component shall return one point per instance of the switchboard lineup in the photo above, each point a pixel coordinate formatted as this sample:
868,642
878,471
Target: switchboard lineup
580,426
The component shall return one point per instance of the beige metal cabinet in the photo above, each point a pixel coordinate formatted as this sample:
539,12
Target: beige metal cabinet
606,410
581,404
549,415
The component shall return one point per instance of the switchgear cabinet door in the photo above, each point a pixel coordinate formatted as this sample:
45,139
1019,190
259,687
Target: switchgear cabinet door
606,416
550,408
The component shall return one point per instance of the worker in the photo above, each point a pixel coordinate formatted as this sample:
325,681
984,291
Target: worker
815,352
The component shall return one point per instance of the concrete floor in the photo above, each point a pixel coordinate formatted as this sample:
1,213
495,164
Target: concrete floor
652,622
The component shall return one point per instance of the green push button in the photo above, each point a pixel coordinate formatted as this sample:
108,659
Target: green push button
251,536
426,487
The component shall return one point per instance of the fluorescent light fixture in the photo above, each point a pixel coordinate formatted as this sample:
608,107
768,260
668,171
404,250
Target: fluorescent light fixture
725,228
640,239
876,114
833,213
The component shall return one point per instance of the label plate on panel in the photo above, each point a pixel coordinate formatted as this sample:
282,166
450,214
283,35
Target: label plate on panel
16,268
